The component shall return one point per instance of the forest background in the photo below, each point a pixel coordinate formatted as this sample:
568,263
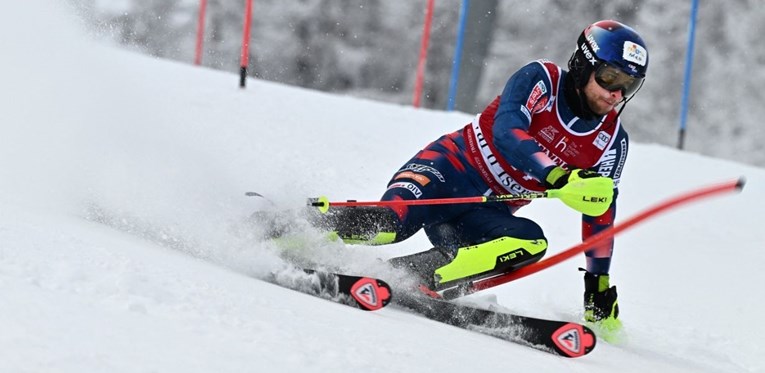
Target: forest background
370,48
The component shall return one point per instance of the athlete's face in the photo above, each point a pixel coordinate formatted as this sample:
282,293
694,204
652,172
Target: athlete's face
601,100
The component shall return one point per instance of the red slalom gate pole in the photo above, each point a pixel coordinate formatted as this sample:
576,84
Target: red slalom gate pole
730,186
244,58
200,32
423,54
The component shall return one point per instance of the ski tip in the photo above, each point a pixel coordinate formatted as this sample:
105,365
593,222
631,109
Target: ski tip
371,294
574,340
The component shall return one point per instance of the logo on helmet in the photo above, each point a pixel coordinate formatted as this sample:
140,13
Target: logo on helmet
588,55
593,43
634,52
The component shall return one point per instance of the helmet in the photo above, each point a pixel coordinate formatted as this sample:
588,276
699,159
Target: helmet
612,45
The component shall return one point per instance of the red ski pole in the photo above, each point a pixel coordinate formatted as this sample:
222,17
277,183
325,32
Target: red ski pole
323,203
730,186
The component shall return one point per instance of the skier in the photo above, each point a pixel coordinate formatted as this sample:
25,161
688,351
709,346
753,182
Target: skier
549,129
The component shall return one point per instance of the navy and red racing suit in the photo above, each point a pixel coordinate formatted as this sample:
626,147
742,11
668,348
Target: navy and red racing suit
509,148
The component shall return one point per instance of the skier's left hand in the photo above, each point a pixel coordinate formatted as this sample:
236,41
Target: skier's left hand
585,191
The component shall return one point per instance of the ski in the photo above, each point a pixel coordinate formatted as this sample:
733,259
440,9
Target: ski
567,339
366,293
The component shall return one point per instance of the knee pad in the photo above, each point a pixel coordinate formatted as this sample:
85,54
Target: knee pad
490,258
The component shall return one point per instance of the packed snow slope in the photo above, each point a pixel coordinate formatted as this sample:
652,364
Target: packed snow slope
122,247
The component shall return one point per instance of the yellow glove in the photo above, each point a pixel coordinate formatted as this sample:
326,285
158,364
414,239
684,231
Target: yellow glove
582,190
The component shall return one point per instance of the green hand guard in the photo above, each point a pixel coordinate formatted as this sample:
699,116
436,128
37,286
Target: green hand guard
586,192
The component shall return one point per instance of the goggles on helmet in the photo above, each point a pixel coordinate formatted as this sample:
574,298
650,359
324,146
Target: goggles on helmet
614,79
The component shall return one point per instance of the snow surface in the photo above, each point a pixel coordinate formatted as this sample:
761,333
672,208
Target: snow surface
122,183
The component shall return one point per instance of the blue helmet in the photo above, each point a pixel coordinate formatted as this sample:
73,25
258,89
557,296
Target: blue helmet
612,44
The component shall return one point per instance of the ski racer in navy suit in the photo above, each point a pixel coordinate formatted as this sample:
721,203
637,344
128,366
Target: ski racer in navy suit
549,129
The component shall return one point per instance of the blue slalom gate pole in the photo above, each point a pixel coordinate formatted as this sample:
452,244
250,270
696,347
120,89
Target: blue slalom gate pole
687,75
457,55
